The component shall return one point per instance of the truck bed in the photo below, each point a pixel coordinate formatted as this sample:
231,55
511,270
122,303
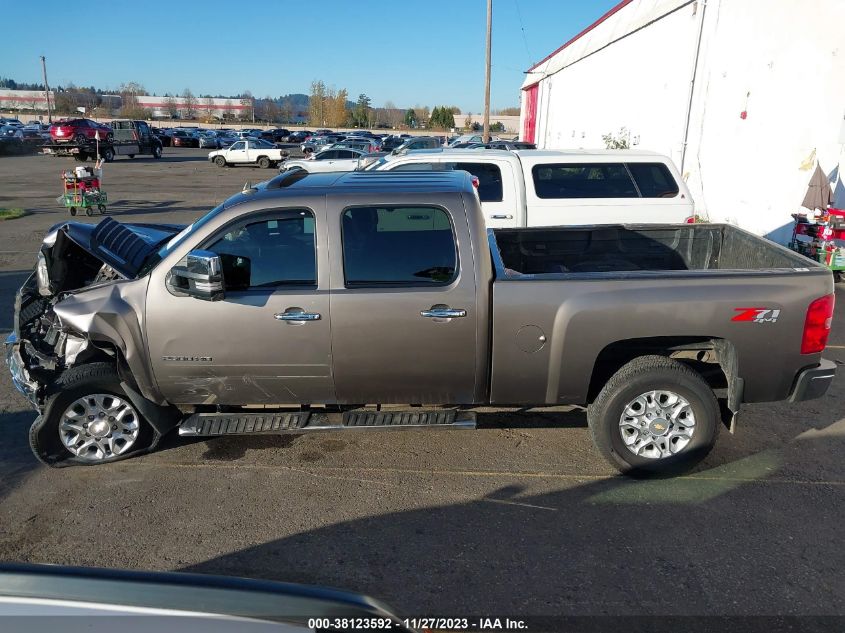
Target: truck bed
565,297
636,249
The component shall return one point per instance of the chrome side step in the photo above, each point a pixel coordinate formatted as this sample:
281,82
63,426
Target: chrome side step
215,424
211,424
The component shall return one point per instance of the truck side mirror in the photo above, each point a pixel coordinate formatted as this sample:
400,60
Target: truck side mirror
200,277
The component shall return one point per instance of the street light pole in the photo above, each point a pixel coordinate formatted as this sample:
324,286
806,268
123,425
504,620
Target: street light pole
46,88
486,133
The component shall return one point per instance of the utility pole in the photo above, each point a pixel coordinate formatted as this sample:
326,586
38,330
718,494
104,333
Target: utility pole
486,133
46,88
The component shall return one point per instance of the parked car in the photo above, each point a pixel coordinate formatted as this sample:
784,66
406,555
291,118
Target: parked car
418,142
226,138
181,138
11,140
470,138
550,188
329,159
317,143
79,131
391,142
12,121
209,139
248,151
31,138
610,317
163,135
300,136
362,143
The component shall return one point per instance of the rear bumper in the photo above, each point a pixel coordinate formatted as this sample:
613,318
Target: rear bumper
20,377
814,382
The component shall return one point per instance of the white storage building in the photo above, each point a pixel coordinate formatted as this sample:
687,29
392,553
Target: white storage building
744,95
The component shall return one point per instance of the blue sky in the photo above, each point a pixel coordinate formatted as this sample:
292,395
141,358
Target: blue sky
410,53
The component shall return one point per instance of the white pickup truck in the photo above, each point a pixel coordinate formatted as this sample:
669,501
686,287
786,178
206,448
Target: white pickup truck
248,152
552,188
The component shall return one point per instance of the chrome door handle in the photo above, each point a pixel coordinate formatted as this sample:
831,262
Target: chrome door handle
501,217
443,313
297,316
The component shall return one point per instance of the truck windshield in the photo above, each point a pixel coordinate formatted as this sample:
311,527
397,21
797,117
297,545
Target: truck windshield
170,244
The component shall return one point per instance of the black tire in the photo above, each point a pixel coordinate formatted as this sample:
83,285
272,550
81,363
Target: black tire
89,211
220,161
44,439
108,155
264,162
641,375
101,208
156,151
109,138
80,139
72,210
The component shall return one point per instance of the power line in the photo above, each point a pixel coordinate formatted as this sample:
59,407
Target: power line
522,28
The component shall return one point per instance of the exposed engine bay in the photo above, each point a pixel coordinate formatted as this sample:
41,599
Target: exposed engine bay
75,258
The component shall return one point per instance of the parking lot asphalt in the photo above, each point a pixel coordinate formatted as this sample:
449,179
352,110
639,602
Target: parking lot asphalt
520,517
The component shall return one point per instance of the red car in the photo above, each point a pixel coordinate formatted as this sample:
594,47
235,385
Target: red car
79,131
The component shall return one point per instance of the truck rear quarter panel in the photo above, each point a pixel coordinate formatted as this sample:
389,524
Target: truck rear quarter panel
581,317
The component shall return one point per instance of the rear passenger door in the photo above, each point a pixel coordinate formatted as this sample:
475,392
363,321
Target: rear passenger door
403,304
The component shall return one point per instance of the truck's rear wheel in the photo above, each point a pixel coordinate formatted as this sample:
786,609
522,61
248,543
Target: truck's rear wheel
219,161
108,155
89,419
654,415
264,162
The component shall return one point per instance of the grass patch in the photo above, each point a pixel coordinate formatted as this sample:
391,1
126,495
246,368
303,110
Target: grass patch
11,214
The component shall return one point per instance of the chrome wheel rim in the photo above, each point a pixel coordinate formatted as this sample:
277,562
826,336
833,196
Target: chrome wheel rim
657,424
99,426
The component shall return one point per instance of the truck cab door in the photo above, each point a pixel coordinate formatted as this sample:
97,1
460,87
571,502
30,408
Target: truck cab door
237,153
268,340
404,313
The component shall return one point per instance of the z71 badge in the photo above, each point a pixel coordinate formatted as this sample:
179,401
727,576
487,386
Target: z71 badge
756,315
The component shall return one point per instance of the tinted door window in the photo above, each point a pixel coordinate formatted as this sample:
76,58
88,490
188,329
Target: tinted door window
583,180
408,246
654,180
270,252
329,155
489,180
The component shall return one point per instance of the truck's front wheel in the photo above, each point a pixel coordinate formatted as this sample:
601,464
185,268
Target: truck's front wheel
654,415
219,161
89,419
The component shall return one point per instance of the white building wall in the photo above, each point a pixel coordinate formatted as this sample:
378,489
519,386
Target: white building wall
780,61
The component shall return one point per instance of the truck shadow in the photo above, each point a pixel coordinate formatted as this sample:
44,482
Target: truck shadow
730,540
16,460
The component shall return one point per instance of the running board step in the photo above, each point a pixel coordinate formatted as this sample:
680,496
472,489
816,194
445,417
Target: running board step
444,417
214,424
210,424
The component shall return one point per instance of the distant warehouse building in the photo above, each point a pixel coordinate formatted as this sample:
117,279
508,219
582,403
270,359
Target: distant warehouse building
745,96
24,99
162,107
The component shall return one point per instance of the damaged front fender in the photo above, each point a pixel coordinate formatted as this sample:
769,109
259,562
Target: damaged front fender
113,314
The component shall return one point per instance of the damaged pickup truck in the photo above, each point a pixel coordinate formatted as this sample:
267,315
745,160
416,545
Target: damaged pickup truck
365,301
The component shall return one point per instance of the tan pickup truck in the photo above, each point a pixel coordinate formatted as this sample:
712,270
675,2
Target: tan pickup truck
311,302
